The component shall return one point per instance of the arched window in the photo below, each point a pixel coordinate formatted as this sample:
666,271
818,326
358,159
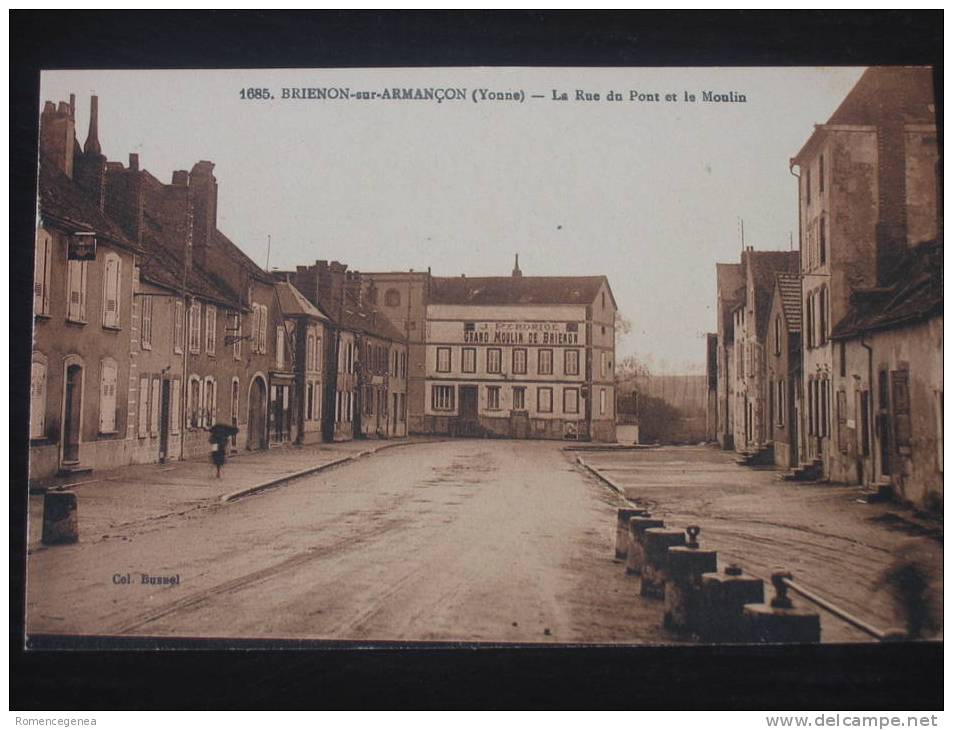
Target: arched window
108,378
38,397
392,298
112,270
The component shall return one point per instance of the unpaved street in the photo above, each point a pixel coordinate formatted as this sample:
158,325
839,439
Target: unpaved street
831,541
462,540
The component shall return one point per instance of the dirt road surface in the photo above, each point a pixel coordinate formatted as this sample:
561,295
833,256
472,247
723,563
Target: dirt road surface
458,541
834,544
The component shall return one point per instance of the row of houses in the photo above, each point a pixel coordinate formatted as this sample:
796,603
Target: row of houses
828,360
151,325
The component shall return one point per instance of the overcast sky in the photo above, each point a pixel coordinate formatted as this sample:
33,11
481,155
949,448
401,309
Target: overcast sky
648,193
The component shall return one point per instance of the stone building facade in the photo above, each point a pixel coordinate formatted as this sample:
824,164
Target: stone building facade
521,357
784,370
730,289
868,187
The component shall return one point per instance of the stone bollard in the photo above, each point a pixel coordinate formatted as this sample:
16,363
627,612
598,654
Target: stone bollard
686,565
780,622
723,599
59,518
655,545
635,554
622,529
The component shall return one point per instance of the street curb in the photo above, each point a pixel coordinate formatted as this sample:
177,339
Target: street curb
272,483
606,480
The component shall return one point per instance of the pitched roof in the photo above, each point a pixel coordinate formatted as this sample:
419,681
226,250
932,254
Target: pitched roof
367,319
490,290
64,202
730,278
916,294
789,287
293,302
161,265
889,92
764,266
884,94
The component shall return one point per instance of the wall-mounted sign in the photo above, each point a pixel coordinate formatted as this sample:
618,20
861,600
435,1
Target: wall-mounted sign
82,247
521,333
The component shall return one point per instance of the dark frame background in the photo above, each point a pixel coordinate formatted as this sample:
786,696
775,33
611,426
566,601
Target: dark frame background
131,674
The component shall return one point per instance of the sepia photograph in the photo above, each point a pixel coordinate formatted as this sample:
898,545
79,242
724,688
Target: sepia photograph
578,356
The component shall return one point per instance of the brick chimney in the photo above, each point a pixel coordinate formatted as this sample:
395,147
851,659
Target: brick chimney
517,274
204,190
176,214
90,166
58,134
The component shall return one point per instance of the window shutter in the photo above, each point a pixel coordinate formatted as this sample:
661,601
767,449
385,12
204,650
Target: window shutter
107,398
900,380
74,275
111,292
174,414
143,407
263,329
38,401
41,273
154,411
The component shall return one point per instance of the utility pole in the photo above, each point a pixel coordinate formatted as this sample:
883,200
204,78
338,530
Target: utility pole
268,255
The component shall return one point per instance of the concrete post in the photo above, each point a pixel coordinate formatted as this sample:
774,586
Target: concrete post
59,518
622,529
655,545
686,565
780,622
636,531
723,598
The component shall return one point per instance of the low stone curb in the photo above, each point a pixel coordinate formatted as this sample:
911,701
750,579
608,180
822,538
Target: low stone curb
602,477
277,481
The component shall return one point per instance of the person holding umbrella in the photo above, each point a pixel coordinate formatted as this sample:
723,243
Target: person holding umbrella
219,435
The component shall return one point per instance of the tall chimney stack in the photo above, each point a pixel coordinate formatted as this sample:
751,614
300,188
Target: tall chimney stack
92,138
516,268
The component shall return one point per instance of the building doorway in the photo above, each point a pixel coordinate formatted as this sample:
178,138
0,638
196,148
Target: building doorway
257,415
280,414
164,410
72,412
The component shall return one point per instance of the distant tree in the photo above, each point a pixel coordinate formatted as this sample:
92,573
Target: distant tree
659,420
623,326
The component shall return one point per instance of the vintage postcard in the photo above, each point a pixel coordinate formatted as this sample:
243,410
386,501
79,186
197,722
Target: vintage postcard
509,355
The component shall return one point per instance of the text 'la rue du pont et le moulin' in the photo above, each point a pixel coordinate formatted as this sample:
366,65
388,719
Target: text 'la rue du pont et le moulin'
441,94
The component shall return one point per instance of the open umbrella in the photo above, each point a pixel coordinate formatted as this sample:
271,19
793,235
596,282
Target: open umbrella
222,431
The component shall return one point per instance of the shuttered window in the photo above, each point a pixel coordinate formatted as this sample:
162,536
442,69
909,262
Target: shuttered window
262,330
571,362
154,400
842,421
107,396
175,415
237,334
211,313
179,325
111,278
147,304
900,385
195,328
280,347
143,407
76,286
571,400
38,400
211,400
41,272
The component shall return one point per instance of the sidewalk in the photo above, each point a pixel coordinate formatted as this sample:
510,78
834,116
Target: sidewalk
113,503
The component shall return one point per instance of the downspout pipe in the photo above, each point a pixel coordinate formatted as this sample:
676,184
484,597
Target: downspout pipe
870,402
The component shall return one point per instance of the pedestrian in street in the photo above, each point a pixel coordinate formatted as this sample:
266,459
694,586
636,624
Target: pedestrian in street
218,436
